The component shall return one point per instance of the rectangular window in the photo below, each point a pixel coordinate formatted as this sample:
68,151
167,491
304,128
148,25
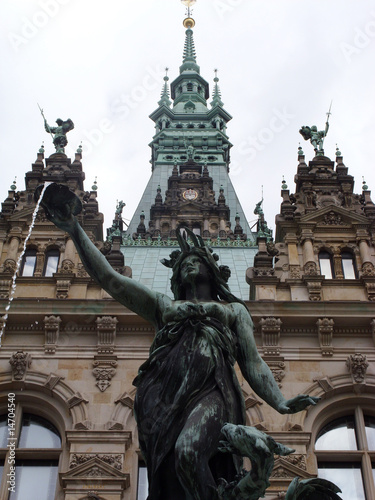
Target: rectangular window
142,482
348,478
35,480
348,269
325,268
51,265
29,265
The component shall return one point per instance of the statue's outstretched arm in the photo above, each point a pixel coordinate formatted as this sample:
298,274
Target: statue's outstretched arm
257,372
128,292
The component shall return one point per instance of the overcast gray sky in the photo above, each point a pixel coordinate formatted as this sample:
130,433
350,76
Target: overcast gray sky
280,62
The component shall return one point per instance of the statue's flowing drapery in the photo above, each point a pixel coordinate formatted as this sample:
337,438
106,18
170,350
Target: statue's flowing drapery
189,359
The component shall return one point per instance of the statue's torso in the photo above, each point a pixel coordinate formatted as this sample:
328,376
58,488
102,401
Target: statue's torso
181,309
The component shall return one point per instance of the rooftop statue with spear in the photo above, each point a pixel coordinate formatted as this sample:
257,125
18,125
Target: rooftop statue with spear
316,137
58,133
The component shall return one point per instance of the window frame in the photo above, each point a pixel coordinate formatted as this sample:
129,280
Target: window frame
350,257
329,258
363,456
27,454
28,252
52,252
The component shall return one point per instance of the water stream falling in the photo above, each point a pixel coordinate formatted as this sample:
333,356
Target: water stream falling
19,261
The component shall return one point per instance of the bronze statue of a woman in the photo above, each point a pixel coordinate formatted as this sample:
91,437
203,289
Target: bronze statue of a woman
187,389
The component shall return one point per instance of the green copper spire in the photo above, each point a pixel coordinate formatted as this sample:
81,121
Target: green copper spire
216,97
189,62
165,91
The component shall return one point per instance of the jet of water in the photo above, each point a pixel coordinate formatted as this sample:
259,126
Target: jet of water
19,261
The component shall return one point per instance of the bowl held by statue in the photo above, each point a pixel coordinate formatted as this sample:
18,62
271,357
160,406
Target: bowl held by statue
58,196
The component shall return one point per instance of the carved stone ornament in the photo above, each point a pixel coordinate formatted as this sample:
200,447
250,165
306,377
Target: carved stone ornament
5,289
357,365
370,287
295,272
325,332
278,371
20,361
368,269
9,266
75,400
310,269
112,460
104,371
332,219
106,327
81,271
270,329
62,289
315,290
67,267
51,330
264,272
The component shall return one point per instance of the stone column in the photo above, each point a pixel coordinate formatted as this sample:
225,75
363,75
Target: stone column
337,264
368,268
13,248
69,250
39,264
309,264
308,251
10,262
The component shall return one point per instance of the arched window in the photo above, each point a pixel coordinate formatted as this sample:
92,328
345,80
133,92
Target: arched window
28,263
325,263
29,451
348,266
190,87
51,262
345,449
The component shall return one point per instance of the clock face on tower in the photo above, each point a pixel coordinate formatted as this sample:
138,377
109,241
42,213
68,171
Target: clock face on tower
190,195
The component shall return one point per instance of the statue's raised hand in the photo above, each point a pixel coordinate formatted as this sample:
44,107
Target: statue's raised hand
60,205
298,403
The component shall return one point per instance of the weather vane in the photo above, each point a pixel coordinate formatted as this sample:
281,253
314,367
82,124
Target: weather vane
189,21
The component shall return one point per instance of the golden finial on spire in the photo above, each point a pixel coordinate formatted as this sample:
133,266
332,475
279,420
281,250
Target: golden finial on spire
188,22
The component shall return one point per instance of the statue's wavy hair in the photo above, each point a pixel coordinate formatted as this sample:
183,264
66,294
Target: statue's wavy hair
220,274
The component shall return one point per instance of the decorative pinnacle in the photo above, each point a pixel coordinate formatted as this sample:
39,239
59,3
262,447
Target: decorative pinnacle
364,185
338,152
216,97
94,187
284,185
165,91
13,187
